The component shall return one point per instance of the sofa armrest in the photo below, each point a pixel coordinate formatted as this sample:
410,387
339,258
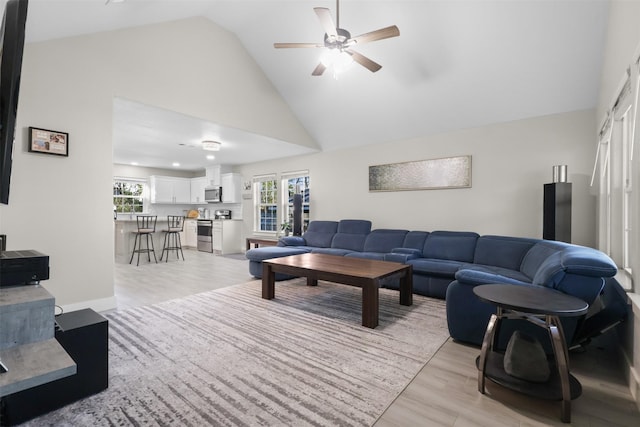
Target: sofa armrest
587,262
401,258
415,253
402,255
292,241
574,261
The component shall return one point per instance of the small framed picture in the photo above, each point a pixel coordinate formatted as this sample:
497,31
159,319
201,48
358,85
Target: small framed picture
48,142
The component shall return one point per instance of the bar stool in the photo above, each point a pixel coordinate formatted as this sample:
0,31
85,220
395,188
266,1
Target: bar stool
146,227
175,225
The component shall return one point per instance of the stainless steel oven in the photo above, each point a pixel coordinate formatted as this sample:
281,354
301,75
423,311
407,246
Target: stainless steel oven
205,235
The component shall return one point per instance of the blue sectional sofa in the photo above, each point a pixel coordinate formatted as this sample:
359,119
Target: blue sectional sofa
449,264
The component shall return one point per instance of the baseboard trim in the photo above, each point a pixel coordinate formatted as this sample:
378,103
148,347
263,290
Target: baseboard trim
633,379
98,305
632,372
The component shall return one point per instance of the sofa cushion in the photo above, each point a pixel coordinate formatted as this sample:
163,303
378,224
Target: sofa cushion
537,254
475,274
367,255
351,234
436,267
331,251
384,240
415,240
451,245
501,251
319,234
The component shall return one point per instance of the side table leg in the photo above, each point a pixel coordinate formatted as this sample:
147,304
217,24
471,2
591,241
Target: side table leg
487,346
562,361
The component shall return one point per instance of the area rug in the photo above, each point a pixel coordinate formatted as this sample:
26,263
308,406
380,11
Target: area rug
230,358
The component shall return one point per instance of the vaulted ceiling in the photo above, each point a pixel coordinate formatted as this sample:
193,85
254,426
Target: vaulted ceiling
455,65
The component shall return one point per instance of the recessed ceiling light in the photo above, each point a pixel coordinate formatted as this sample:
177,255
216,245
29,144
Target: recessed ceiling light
175,164
210,157
134,163
211,145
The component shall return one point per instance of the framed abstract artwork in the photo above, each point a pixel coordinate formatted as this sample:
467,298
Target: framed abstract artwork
448,172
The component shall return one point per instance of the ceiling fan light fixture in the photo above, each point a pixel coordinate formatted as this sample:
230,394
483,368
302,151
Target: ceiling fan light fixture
211,145
336,59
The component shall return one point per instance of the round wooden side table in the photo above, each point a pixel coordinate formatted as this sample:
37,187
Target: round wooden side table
542,307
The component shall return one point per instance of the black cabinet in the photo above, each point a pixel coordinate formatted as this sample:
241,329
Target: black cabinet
557,212
84,335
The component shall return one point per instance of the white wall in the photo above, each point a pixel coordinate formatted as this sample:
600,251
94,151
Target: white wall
623,40
63,206
510,164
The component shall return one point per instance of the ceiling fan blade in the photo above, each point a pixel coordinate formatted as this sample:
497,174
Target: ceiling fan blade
287,45
326,20
383,33
364,61
319,70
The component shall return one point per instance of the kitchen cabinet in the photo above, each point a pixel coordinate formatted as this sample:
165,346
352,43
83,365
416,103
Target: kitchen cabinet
190,233
197,189
170,189
231,187
226,236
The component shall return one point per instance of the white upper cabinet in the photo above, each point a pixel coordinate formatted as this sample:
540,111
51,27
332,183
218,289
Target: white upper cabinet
197,189
170,189
231,187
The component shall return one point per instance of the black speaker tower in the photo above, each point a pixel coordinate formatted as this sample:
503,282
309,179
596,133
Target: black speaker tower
297,214
557,212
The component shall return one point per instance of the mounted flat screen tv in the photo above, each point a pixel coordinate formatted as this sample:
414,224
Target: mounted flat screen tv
12,45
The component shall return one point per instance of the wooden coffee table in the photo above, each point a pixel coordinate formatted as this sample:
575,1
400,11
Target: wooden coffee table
363,273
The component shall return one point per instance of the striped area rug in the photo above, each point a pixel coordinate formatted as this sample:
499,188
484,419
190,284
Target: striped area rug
230,358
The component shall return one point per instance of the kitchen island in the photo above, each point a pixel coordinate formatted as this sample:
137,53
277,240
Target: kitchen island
226,235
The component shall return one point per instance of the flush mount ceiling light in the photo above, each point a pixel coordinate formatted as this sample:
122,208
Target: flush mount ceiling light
211,145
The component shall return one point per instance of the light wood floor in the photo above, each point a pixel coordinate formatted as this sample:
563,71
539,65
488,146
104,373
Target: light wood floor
444,392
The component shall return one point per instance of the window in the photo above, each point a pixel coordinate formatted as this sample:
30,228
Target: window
295,183
266,203
616,163
128,195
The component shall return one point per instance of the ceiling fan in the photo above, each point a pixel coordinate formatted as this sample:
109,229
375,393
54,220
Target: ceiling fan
339,40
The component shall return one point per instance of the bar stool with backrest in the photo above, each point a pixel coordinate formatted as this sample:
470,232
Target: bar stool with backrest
172,242
146,228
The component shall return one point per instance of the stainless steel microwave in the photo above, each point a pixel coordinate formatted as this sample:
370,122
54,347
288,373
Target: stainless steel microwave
213,194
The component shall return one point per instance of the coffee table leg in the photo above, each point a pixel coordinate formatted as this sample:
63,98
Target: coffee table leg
370,305
268,281
406,287
312,282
